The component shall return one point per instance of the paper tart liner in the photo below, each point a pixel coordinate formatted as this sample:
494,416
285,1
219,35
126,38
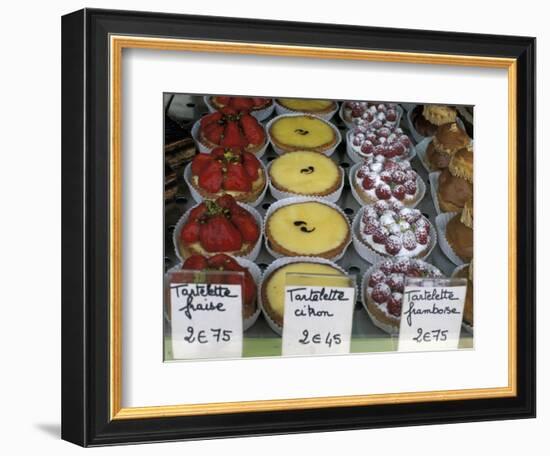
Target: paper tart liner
252,255
420,188
371,255
434,186
280,262
206,149
332,197
349,124
417,136
260,114
441,222
390,329
256,274
358,158
282,110
407,106
279,151
301,199
467,327
422,153
199,198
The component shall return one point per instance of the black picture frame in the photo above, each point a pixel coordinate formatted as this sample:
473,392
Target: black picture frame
85,227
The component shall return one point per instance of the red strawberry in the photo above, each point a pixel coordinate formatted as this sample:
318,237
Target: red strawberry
195,262
232,136
249,288
213,132
257,101
253,131
247,226
223,262
190,232
227,111
211,177
251,165
236,178
211,119
197,211
219,235
227,202
199,163
218,153
241,103
221,100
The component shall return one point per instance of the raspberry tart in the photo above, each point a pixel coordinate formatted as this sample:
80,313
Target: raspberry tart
379,139
230,128
228,171
381,178
392,230
383,287
249,104
223,262
220,226
367,112
305,173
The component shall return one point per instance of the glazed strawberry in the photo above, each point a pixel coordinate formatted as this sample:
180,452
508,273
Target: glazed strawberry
251,165
190,232
252,129
232,136
241,103
211,119
197,212
214,132
218,234
256,101
247,226
222,100
228,112
195,262
211,177
236,178
223,262
199,162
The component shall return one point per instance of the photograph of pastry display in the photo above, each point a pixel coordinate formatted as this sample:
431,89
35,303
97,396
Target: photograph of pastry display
330,193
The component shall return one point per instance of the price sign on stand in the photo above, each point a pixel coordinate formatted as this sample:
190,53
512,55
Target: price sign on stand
206,318
431,314
318,318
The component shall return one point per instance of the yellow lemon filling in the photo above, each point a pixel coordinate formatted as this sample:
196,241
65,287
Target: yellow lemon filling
304,172
309,228
275,291
299,104
302,131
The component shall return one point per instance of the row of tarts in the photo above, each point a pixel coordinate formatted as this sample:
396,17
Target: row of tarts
305,230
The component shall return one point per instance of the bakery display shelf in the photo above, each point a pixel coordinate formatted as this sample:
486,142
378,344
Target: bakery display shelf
260,340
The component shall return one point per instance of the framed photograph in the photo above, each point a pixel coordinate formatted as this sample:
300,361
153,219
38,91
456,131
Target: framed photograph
268,227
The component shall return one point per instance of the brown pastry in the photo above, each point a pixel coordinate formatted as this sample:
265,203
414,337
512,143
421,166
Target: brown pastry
170,183
179,147
426,118
461,238
455,184
448,139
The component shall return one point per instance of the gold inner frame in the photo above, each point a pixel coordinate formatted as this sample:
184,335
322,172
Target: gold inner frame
117,44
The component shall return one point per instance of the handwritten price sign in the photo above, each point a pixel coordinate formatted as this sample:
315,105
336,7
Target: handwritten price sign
206,320
431,315
317,320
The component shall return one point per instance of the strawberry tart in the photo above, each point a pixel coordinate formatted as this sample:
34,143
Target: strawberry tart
232,129
392,230
383,288
381,178
223,262
240,103
228,171
220,226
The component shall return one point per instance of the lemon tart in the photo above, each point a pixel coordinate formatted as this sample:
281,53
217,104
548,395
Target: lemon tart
292,133
307,228
273,286
309,106
305,173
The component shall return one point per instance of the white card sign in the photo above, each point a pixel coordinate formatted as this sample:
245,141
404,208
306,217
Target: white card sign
317,320
431,314
206,320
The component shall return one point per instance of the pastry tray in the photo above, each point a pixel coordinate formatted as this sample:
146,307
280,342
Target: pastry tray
260,340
